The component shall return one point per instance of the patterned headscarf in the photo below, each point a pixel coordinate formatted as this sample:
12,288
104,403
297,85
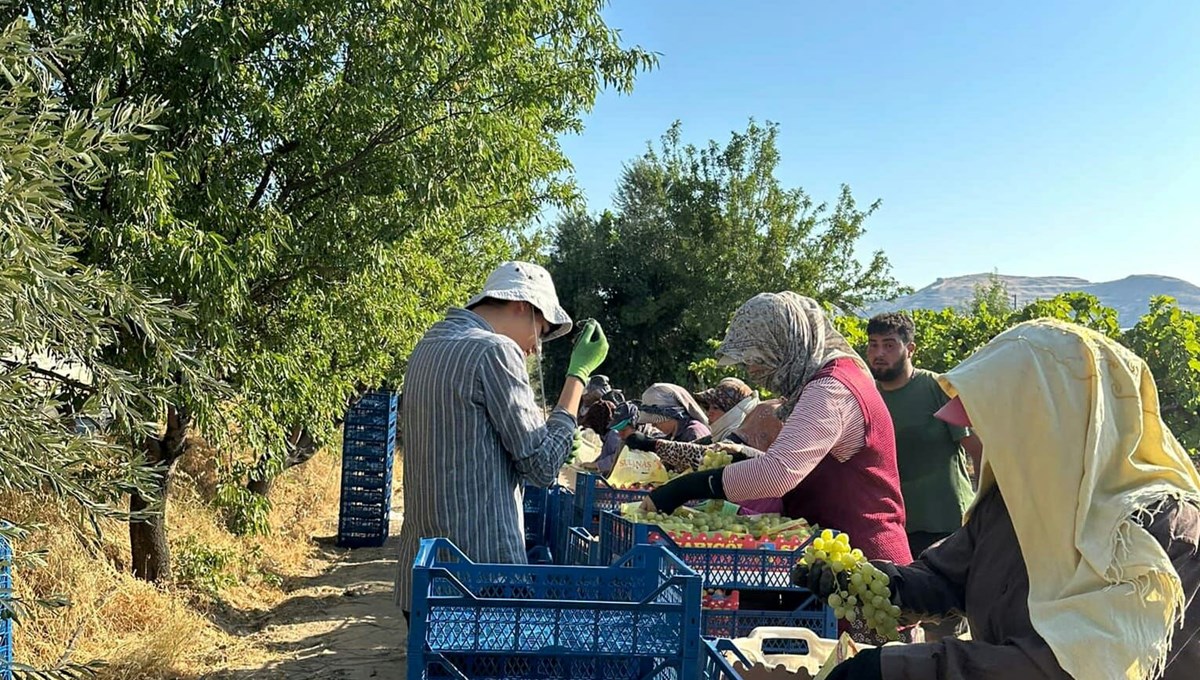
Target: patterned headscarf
789,334
725,396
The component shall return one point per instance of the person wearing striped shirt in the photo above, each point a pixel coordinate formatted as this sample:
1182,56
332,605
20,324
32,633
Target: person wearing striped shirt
473,432
834,462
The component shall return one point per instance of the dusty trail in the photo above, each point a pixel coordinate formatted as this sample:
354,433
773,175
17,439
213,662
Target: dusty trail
338,623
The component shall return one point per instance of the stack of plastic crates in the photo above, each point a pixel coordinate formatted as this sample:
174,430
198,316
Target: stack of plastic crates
5,621
639,618
368,447
759,579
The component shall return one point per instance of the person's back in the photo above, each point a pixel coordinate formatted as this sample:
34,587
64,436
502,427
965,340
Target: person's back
459,481
473,433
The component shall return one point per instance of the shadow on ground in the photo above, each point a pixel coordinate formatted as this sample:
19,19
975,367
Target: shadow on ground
339,624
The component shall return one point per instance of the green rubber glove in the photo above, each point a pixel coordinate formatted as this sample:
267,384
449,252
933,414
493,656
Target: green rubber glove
591,347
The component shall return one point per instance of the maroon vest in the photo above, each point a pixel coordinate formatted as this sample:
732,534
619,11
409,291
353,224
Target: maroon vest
861,496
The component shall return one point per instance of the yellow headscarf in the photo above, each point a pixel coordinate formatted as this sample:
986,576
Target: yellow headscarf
1073,436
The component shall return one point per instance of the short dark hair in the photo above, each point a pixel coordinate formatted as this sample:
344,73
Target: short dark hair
893,322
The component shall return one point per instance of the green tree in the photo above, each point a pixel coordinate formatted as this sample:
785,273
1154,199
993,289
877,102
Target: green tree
1168,338
693,233
69,416
992,296
330,175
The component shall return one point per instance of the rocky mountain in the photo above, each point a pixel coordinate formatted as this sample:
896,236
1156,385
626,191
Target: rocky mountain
1130,296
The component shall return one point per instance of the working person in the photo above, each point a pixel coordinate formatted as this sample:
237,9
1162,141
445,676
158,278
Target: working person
834,462
474,433
726,405
932,455
674,411
1080,557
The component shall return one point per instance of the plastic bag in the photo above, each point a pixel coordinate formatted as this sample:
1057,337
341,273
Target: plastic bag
845,649
639,468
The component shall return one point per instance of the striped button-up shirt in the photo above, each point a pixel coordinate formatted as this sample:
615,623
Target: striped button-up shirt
473,434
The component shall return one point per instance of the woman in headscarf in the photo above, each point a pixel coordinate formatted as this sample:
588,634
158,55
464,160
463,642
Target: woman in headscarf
834,462
1080,557
674,411
726,406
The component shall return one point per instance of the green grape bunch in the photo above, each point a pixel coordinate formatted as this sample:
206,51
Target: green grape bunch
856,587
715,459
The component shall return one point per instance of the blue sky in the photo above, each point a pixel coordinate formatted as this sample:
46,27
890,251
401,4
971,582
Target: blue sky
1034,139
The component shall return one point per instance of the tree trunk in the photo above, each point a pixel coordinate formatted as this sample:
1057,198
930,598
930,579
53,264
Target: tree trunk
150,553
301,447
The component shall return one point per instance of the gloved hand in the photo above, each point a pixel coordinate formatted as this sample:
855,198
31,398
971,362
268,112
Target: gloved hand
866,665
576,443
689,487
640,442
591,348
819,578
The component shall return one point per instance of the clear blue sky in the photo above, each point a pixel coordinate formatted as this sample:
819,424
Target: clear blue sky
1057,138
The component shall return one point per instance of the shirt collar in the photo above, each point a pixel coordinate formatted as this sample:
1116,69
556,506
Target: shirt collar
469,318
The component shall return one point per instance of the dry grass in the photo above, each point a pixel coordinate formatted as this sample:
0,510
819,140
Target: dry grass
146,632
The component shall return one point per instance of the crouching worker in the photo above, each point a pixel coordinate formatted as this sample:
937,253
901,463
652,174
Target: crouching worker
1079,557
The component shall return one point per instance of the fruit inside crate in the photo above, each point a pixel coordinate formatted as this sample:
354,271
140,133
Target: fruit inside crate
761,566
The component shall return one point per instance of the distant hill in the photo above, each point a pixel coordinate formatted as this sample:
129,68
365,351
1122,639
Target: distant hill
1130,296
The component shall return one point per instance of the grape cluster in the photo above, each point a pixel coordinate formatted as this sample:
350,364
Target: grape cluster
715,459
860,586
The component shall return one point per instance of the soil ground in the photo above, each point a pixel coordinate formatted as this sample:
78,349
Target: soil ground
339,622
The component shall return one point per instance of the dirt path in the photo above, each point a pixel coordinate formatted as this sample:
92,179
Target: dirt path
340,623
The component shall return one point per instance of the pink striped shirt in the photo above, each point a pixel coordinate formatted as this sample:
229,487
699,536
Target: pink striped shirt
826,421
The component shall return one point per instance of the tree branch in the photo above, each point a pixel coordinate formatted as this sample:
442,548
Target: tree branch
272,160
46,373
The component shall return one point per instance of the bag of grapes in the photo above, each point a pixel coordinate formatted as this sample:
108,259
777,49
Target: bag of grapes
637,469
845,649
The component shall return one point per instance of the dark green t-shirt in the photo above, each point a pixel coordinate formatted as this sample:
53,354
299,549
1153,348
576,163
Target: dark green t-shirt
933,466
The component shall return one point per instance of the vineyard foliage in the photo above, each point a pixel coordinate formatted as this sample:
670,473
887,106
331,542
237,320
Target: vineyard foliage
1167,337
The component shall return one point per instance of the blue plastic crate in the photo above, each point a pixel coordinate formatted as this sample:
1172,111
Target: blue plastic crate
360,532
363,479
366,463
376,495
379,449
548,622
593,495
715,665
581,547
371,418
6,642
369,433
371,510
536,505
559,509
376,400
719,567
813,614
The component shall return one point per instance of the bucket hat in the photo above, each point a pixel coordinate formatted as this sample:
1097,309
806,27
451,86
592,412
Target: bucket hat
527,282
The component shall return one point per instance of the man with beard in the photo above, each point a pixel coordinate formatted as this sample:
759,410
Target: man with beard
934,480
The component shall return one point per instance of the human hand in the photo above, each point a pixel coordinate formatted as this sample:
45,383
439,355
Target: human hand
640,442
591,348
